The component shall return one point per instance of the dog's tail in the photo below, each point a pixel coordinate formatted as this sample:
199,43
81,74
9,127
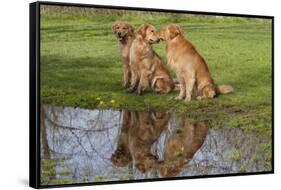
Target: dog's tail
224,89
154,80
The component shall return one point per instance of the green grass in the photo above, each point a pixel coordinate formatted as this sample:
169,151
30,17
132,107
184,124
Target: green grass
81,66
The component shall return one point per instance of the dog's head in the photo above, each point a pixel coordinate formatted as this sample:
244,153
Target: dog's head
148,33
122,29
170,31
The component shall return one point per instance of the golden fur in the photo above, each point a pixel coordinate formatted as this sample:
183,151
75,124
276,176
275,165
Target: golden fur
138,134
148,70
147,127
125,35
191,69
181,146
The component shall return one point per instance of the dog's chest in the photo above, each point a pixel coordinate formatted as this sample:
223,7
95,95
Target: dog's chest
145,52
124,50
171,62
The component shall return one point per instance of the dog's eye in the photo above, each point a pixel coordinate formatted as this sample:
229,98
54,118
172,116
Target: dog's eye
117,27
152,31
124,28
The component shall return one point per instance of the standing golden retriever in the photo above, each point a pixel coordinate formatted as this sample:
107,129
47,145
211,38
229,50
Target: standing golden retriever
125,35
148,70
190,68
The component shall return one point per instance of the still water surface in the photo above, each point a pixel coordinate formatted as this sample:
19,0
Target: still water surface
81,145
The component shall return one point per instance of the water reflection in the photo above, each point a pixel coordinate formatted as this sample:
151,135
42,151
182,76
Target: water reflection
79,145
140,130
182,145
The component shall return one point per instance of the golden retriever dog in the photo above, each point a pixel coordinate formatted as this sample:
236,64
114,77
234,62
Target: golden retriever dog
125,35
148,70
181,146
191,69
146,129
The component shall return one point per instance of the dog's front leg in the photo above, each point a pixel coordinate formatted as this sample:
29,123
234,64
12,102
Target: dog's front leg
126,75
182,88
134,82
144,81
189,84
134,77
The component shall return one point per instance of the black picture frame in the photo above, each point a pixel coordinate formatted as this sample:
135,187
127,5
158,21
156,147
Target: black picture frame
34,92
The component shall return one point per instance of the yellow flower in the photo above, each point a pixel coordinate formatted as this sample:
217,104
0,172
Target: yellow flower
101,102
112,101
98,98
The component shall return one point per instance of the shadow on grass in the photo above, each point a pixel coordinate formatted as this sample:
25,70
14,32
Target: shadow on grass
81,74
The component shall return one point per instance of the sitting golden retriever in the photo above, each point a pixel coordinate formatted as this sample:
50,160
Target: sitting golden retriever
125,35
148,70
191,69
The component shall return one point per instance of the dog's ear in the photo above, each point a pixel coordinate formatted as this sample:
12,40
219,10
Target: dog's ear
114,25
174,31
142,30
130,29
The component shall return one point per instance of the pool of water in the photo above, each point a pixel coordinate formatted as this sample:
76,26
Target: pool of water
82,145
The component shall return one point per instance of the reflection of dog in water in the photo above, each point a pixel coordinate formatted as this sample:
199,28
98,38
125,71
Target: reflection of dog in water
139,132
181,146
145,131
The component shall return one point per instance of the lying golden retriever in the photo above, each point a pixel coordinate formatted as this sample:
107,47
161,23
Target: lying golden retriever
148,70
125,35
191,69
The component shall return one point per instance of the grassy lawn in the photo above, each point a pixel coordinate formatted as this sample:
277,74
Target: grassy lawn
81,66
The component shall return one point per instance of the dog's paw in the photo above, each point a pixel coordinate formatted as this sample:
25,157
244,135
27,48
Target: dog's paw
125,85
187,99
130,90
139,92
199,98
178,97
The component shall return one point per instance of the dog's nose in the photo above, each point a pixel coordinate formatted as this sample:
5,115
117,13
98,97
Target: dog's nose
119,33
158,40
